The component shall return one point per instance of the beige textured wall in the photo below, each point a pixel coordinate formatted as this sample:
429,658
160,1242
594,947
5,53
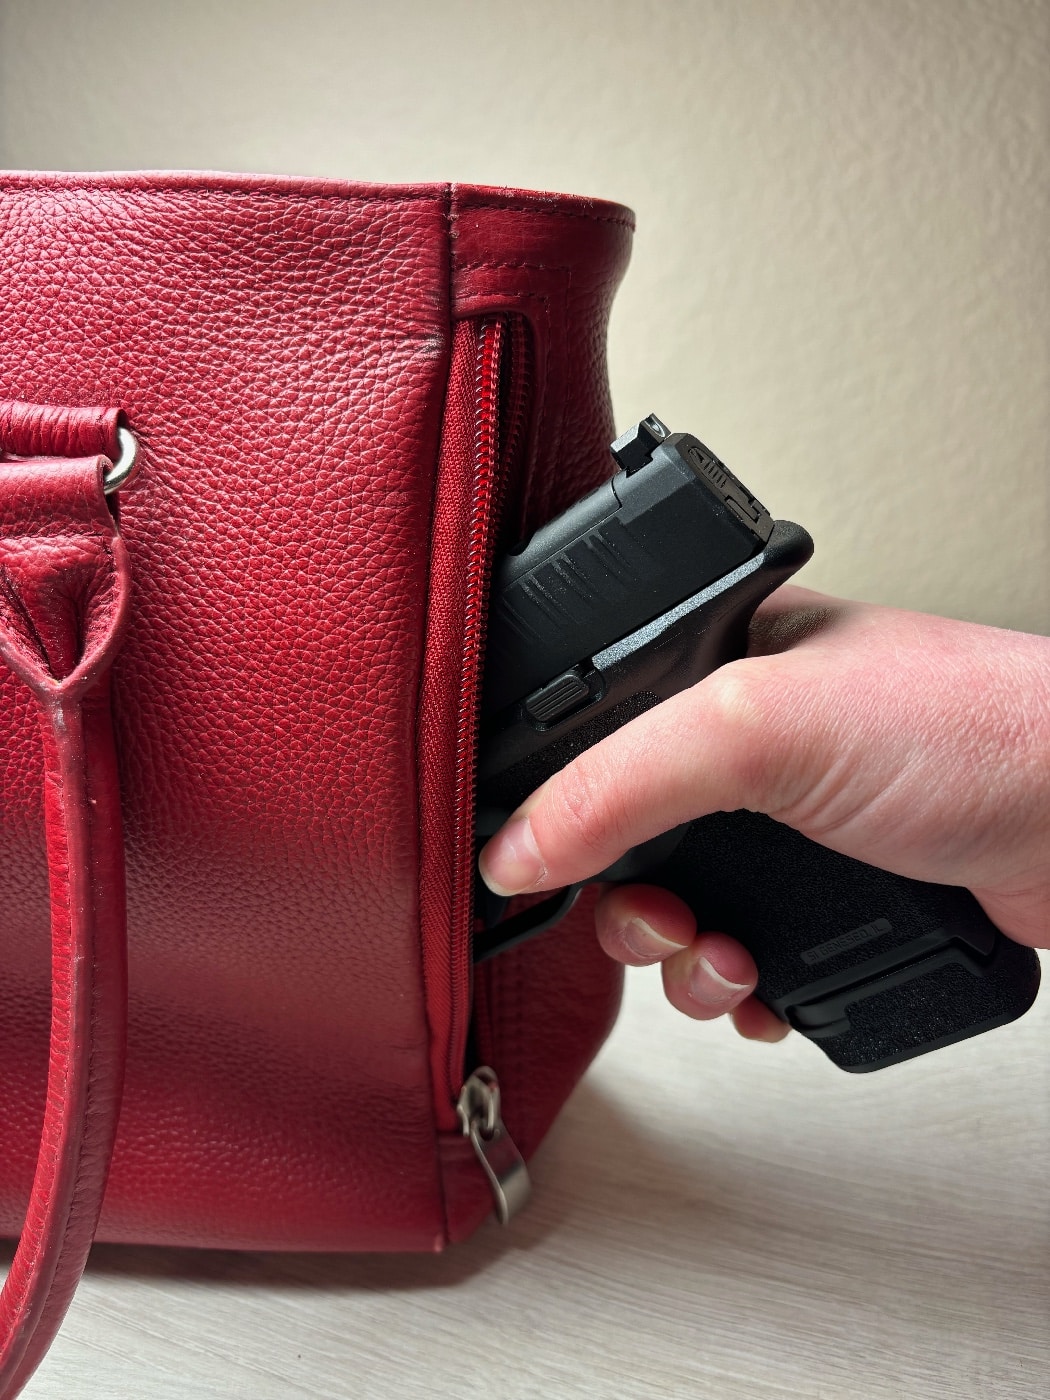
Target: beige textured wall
841,272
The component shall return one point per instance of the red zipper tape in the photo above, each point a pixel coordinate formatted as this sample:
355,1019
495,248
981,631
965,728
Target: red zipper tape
486,415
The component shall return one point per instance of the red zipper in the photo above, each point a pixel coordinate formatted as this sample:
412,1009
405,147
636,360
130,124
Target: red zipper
479,565
486,422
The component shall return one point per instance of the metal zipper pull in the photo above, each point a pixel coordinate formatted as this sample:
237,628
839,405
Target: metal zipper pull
478,1110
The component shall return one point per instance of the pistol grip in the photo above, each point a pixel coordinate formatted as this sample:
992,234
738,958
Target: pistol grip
873,967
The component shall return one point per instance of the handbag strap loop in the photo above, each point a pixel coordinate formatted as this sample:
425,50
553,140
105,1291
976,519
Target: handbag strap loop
64,589
53,430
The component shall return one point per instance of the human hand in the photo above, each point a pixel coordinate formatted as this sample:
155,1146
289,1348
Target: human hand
912,742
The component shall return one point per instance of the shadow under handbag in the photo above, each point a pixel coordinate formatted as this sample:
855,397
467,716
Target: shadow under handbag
242,670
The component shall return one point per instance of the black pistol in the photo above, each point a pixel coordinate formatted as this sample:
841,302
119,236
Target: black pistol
640,589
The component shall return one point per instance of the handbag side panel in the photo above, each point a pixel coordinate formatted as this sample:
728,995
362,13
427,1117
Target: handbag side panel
542,1010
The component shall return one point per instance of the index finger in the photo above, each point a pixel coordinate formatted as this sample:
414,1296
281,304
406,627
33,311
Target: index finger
718,746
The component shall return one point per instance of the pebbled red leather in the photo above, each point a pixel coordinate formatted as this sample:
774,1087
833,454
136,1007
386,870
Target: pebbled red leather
282,349
63,605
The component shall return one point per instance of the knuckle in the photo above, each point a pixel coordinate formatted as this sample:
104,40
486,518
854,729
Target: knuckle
737,691
784,738
742,707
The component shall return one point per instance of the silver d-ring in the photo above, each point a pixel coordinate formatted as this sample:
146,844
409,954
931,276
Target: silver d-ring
123,469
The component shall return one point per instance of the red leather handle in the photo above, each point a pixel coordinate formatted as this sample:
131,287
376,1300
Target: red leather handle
64,583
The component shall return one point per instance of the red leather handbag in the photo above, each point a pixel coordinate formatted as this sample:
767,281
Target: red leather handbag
242,676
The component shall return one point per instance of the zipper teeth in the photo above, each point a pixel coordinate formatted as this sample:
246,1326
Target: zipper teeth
480,546
516,414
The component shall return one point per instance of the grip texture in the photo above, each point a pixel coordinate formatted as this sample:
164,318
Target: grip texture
807,913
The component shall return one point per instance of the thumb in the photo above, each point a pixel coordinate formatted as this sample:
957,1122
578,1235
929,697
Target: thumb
718,746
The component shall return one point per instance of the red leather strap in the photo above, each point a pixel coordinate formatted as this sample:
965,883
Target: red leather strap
63,601
51,430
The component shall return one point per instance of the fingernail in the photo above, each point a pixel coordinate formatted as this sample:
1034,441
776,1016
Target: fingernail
511,862
643,942
711,988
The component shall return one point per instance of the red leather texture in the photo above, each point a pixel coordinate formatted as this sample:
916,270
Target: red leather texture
63,604
282,350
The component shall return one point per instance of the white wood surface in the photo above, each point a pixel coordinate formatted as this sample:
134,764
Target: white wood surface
711,1218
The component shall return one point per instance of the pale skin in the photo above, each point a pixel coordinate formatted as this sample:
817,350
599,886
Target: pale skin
913,742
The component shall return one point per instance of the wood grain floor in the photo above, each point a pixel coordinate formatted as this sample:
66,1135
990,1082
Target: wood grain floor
710,1219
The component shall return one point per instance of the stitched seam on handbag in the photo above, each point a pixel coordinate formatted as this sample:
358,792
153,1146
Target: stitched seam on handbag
259,192
516,266
439,1165
521,207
